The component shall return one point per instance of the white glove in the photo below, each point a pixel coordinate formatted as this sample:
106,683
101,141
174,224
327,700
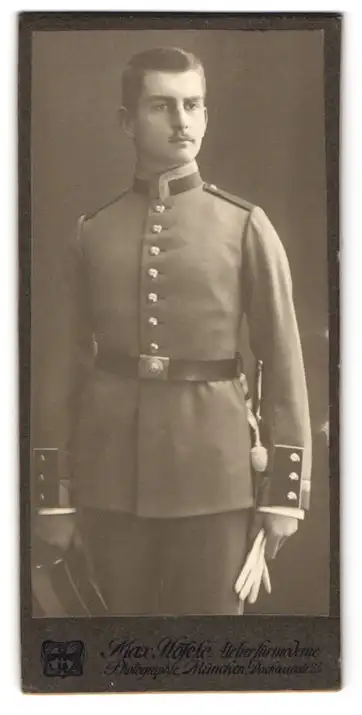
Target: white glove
254,571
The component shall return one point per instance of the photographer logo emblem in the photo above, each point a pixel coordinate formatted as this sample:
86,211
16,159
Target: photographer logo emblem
62,659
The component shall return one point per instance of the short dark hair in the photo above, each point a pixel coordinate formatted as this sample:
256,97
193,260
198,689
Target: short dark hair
159,59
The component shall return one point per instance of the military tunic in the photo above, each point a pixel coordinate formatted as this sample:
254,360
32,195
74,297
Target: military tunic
169,269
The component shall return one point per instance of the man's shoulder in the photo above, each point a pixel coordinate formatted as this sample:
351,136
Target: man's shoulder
253,214
228,197
106,208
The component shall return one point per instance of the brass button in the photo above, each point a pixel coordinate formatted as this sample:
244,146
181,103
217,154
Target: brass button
154,250
293,476
152,272
42,458
41,477
154,347
152,297
41,497
152,321
155,366
159,208
294,457
292,496
156,228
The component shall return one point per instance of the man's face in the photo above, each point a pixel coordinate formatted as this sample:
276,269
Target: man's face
170,120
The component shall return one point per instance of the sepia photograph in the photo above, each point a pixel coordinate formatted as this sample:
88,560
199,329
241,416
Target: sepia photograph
179,236
179,324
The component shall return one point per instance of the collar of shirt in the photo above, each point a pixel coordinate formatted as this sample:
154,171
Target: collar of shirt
172,182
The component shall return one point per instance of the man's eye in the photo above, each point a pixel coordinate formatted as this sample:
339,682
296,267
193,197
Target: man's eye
194,104
162,106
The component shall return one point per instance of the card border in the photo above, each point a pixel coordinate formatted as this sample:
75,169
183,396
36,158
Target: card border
34,630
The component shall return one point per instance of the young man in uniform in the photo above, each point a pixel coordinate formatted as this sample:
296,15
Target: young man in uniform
159,440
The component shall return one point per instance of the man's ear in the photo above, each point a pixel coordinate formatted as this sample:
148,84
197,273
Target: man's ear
206,117
126,121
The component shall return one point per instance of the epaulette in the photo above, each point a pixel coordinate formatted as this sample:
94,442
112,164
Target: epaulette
212,189
105,206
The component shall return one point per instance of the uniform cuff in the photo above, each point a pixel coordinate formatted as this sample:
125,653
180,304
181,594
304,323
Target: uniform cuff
50,491
283,484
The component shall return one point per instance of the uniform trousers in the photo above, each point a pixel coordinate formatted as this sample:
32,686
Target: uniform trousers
167,566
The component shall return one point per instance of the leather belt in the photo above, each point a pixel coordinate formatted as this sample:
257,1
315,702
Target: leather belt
157,367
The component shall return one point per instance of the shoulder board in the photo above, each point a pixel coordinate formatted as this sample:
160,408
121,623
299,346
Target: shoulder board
105,206
212,189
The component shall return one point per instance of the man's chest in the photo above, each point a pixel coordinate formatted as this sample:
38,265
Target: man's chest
179,254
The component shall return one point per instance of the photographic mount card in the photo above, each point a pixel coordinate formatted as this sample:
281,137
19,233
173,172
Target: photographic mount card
178,249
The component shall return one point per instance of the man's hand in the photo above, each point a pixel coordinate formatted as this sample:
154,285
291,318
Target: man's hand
55,529
277,529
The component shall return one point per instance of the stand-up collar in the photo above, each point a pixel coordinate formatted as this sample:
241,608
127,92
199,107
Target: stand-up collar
170,183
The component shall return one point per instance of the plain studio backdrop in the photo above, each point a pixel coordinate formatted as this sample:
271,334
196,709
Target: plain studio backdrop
265,143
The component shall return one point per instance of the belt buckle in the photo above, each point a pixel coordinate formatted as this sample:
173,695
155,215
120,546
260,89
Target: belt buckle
153,367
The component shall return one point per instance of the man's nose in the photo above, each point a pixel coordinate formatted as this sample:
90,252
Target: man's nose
179,117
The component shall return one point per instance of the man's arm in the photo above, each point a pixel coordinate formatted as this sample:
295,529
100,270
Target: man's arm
63,377
284,488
